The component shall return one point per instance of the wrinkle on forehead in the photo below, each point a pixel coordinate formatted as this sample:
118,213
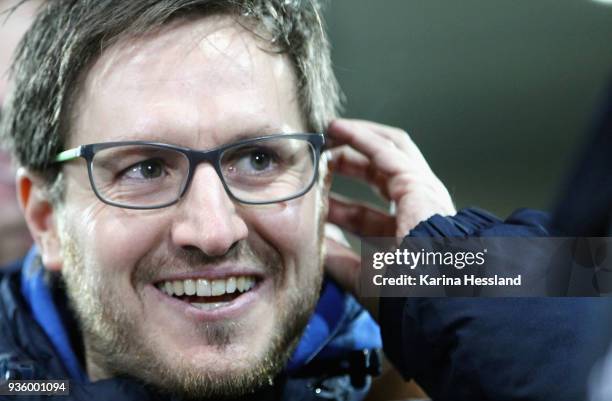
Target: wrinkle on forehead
221,39
219,42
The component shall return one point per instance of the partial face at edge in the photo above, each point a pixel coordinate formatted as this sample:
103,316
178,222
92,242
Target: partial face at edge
197,84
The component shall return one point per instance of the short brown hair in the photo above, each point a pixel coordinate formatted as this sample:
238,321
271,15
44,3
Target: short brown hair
68,35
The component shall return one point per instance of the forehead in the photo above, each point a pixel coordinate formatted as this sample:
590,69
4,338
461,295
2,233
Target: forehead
196,83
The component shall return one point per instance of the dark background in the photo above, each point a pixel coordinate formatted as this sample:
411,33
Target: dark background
497,94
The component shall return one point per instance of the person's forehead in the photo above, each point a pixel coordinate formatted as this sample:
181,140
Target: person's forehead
217,38
191,76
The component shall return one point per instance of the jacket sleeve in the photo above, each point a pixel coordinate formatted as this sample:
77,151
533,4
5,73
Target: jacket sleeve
494,348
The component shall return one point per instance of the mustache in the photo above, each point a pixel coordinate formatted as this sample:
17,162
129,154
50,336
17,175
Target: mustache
192,259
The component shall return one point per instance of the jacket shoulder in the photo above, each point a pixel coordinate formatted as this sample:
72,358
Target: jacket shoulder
25,351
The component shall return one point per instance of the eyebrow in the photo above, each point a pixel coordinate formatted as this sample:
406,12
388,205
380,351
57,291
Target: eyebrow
238,136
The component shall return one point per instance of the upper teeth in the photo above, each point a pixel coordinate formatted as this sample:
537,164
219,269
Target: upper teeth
206,288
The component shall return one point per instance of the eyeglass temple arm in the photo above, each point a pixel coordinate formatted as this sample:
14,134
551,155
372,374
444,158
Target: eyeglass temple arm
69,154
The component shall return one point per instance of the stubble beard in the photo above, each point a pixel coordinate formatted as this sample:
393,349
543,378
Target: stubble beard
115,344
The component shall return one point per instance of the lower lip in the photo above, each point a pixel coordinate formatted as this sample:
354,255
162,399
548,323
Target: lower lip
231,310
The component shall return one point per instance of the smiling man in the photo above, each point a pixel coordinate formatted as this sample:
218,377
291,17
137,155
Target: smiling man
171,180
213,291
186,232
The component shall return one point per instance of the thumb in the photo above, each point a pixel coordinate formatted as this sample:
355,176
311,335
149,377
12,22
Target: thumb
344,266
341,262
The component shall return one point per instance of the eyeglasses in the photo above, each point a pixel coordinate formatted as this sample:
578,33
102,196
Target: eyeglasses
150,175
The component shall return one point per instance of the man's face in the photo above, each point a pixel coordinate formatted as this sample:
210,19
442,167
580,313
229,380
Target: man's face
198,84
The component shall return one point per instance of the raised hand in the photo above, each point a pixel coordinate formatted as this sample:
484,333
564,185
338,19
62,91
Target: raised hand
387,159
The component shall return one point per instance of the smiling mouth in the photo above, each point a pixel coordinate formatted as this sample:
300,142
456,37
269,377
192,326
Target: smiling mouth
207,294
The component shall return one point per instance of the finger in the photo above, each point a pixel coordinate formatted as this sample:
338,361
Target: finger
400,137
331,143
348,162
377,141
334,232
387,157
342,264
359,218
396,135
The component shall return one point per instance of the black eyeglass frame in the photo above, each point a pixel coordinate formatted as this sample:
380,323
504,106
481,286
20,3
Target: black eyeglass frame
195,157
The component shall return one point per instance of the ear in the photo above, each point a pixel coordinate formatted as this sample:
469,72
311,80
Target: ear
39,215
325,180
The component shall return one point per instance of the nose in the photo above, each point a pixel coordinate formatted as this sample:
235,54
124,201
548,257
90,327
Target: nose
208,219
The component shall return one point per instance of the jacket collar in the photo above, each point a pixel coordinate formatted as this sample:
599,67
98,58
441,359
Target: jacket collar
37,294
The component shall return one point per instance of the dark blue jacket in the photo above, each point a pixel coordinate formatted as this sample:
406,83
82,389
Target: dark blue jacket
466,349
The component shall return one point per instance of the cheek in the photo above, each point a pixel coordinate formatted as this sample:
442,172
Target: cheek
290,227
115,239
